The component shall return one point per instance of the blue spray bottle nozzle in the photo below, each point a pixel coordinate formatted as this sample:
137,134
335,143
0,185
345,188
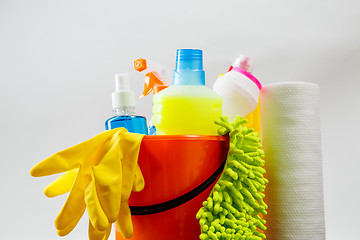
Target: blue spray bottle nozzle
189,67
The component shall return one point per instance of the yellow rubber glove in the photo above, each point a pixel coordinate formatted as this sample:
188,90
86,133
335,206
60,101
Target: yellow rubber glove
100,163
62,184
98,235
65,182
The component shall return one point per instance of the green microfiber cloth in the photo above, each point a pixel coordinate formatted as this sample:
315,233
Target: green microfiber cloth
232,209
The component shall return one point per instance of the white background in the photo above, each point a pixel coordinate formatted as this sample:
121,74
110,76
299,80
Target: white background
58,58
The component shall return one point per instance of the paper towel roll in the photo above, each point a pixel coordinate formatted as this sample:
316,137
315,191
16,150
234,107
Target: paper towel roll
290,124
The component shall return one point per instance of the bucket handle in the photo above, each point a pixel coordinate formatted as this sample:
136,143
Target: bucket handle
173,203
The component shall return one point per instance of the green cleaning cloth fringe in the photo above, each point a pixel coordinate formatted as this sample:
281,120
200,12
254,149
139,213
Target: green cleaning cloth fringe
232,211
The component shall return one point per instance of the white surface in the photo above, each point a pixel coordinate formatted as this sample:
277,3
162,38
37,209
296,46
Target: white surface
50,50
291,138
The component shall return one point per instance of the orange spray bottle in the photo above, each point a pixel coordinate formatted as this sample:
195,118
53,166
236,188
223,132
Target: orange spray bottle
155,81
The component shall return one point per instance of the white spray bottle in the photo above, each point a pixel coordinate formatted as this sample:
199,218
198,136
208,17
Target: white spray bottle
239,88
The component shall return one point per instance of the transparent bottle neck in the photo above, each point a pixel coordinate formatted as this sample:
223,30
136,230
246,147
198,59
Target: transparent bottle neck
124,110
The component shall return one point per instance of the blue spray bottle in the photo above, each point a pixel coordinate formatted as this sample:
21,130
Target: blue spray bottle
123,101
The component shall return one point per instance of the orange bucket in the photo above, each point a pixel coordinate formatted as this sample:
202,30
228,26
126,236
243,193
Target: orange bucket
180,172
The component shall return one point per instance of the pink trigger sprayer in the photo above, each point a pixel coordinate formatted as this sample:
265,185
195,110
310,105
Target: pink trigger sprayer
156,79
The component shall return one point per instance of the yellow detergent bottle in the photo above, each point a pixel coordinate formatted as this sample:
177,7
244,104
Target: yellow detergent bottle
187,106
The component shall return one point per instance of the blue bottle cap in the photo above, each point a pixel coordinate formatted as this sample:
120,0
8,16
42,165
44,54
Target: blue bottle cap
189,67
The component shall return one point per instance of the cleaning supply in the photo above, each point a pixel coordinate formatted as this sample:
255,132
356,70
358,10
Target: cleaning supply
147,66
157,76
180,172
106,173
243,62
155,81
233,207
239,88
253,117
123,101
187,106
291,126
